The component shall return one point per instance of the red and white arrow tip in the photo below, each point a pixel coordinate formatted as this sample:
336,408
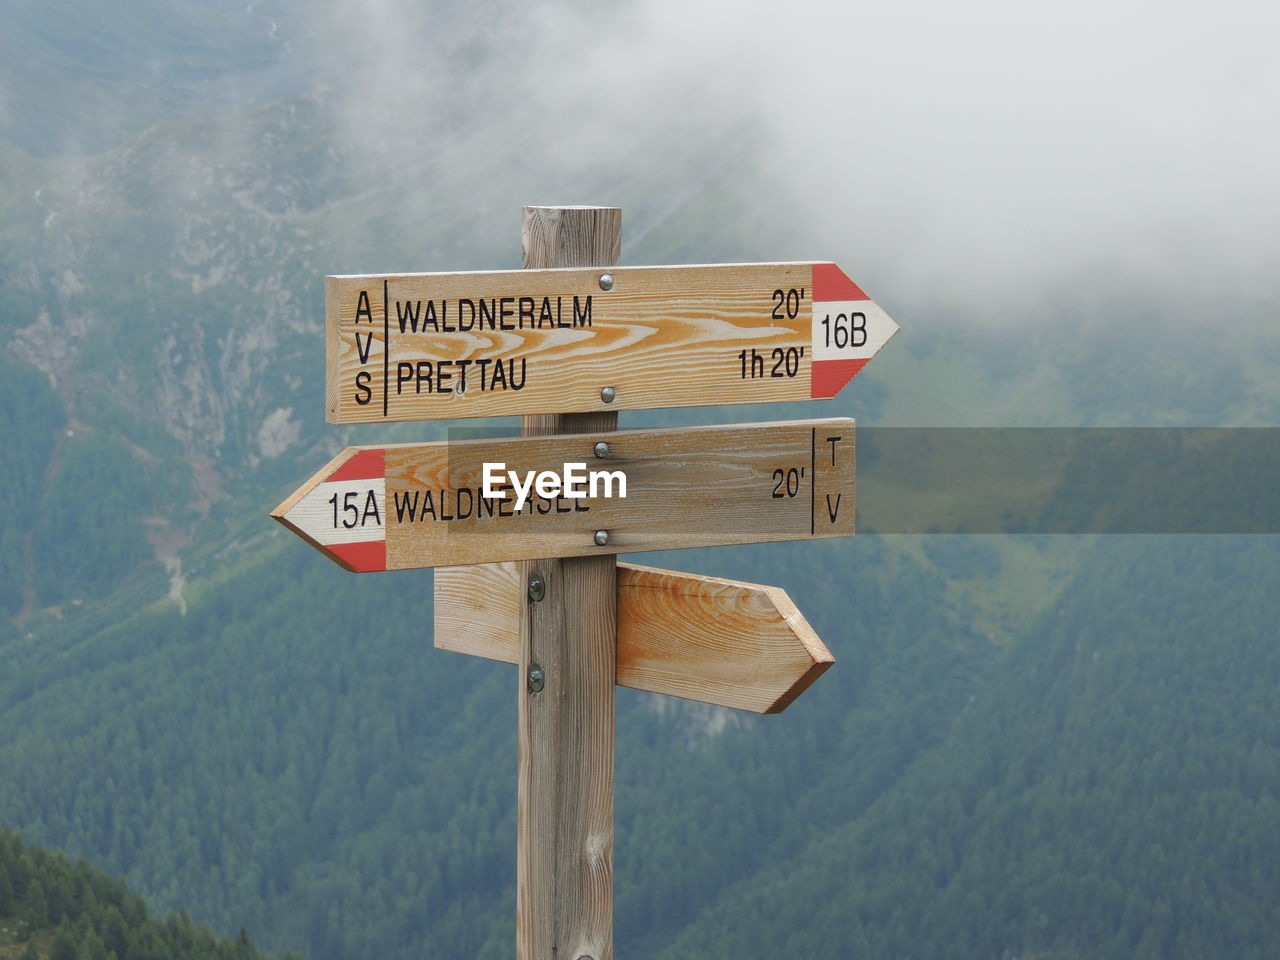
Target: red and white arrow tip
849,328
342,510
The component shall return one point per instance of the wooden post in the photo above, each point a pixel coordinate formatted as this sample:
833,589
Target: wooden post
564,868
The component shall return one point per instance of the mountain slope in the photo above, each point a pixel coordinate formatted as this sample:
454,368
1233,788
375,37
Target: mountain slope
243,730
52,909
292,756
1112,792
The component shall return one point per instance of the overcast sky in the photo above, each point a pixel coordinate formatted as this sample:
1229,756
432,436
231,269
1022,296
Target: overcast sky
998,153
983,149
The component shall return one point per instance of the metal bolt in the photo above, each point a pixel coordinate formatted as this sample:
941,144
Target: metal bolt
537,588
607,394
606,281
602,449
602,537
536,679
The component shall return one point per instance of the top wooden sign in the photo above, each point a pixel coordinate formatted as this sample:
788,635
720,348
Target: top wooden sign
433,346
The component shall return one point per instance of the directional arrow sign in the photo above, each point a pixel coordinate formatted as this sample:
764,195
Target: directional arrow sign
431,346
426,505
702,638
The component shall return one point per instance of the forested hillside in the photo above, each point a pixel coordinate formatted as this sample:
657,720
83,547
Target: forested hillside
270,760
351,789
51,909
1113,791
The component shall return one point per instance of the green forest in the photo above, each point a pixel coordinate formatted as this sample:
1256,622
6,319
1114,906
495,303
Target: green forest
1112,793
51,909
350,791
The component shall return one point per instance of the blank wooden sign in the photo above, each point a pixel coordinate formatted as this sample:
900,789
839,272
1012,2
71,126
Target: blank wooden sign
718,641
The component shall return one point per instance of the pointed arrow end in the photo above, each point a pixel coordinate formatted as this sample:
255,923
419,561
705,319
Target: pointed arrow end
836,363
832,283
367,557
801,685
832,376
358,471
820,657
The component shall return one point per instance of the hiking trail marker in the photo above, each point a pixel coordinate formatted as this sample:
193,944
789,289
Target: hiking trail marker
432,346
424,505
531,577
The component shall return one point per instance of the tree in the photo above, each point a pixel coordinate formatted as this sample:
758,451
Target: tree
8,904
64,946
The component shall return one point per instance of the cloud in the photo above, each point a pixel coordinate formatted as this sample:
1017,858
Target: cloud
1002,146
990,154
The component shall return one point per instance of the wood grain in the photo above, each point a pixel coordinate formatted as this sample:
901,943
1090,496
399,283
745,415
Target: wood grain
664,336
686,487
702,638
564,862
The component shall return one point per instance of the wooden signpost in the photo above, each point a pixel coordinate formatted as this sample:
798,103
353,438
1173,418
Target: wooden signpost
525,530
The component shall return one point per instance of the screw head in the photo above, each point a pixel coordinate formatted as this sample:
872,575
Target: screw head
537,588
602,449
602,537
606,281
537,680
607,394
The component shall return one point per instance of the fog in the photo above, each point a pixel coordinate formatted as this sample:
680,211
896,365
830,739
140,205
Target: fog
980,160
986,155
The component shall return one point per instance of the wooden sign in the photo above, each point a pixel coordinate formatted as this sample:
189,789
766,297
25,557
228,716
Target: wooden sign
525,530
441,504
718,641
432,346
